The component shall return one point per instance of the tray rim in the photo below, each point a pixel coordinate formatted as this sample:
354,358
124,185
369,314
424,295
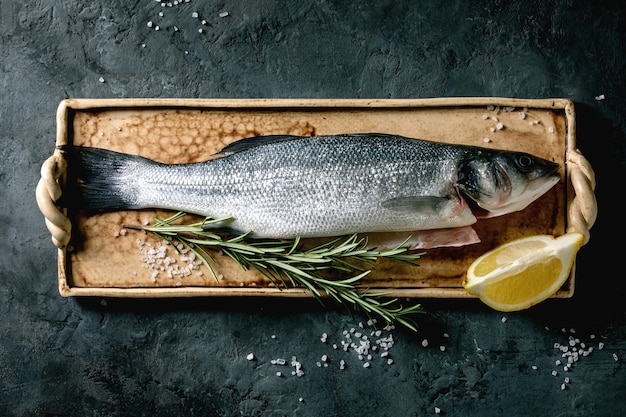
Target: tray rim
67,106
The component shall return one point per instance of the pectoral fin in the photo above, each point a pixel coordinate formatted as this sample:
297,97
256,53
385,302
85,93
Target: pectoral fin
416,204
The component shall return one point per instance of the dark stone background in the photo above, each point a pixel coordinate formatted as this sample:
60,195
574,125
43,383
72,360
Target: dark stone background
73,357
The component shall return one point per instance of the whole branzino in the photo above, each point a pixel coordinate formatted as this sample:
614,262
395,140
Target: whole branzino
287,186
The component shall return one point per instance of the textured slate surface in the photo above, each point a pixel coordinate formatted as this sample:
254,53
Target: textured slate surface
73,357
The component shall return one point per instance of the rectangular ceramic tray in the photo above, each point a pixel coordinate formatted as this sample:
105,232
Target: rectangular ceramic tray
100,262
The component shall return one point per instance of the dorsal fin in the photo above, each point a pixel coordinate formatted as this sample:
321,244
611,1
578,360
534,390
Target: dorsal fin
253,142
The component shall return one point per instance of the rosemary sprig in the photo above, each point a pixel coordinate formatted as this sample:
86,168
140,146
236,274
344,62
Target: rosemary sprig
286,264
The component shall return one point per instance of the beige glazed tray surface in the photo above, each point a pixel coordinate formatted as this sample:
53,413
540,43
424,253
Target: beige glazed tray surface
94,259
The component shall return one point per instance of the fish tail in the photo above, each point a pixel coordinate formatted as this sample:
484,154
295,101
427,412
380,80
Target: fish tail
101,180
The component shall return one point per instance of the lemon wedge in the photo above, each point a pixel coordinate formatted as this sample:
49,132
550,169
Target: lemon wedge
523,272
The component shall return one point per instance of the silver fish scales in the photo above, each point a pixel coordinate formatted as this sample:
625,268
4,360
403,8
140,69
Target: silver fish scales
287,186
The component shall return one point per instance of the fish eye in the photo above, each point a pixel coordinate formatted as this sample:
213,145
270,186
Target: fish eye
524,161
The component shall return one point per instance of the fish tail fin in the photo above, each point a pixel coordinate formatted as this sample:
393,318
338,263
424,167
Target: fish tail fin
101,180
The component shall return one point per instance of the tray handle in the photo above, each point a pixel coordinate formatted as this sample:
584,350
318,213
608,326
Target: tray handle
583,208
48,191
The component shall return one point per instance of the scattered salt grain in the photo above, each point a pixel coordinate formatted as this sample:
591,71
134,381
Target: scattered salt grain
425,342
250,356
615,357
503,319
101,79
600,97
442,348
149,24
487,140
534,367
499,126
279,374
194,14
223,14
437,410
297,367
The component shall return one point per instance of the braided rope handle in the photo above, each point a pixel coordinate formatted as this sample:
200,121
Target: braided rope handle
583,209
48,191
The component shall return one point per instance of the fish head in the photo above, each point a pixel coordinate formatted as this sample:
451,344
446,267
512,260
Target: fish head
502,182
